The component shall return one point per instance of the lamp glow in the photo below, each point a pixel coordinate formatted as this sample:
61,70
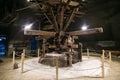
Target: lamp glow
28,26
83,0
84,27
28,0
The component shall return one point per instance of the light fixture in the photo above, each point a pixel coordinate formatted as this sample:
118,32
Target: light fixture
28,26
83,0
84,27
28,0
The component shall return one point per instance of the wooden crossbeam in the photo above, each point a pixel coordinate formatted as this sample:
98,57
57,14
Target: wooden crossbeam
46,33
38,32
86,32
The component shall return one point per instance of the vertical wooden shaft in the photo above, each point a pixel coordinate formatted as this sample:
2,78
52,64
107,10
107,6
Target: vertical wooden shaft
22,62
102,60
110,59
88,52
56,68
38,52
13,61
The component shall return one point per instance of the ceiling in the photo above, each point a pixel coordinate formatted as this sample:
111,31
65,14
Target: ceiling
95,13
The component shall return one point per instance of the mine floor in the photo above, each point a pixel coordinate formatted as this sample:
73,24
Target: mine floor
88,69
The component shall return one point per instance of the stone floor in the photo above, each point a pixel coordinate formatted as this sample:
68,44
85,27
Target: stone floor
35,71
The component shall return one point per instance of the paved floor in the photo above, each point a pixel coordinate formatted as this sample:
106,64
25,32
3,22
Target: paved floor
7,73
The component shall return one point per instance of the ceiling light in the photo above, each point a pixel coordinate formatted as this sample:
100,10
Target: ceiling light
84,27
28,26
28,0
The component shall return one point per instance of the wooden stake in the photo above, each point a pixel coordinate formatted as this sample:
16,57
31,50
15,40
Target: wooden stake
22,62
88,52
56,68
70,60
102,60
13,61
38,52
103,53
65,59
110,59
23,50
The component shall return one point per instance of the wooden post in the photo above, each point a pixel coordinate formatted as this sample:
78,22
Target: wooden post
65,59
103,53
22,62
23,50
70,60
80,53
88,52
38,52
13,61
110,59
43,54
102,60
56,68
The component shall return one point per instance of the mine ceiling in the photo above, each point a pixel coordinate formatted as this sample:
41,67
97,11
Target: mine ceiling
94,13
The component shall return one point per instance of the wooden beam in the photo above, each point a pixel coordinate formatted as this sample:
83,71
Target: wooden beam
55,21
73,3
44,12
86,32
61,18
38,32
69,20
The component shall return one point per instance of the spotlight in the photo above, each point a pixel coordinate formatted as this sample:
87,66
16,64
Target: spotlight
28,26
84,27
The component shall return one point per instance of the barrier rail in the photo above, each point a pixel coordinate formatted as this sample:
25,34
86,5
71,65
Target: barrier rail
70,61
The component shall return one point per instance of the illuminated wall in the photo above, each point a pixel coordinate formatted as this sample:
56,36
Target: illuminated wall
2,45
